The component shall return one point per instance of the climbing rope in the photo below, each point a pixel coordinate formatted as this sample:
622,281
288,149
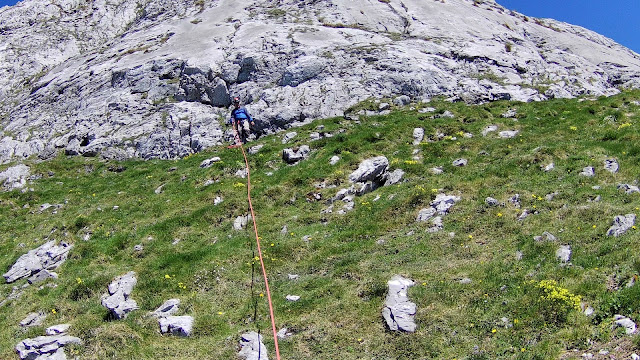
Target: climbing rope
255,228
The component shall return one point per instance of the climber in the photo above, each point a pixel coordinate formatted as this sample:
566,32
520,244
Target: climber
240,119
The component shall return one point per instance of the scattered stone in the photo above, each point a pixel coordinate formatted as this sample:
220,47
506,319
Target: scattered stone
284,333
446,115
508,134
611,165
41,276
437,225
491,201
384,106
427,110
549,197
292,298
45,347
46,257
175,241
443,203
218,200
394,177
549,167
176,325
588,311
596,187
334,160
425,214
398,311
629,189
437,170
635,356
57,329
208,182
292,156
158,190
373,169
117,300
489,129
209,162
546,236
564,253
525,214
511,113
418,135
168,308
138,248
293,276
251,347
519,255
314,136
33,319
465,281
515,200
254,149
402,100
242,173
460,162
15,177
241,222
628,324
621,224
289,136
588,171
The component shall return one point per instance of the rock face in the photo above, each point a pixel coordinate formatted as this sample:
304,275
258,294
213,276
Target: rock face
153,79
251,347
117,300
398,311
372,169
46,257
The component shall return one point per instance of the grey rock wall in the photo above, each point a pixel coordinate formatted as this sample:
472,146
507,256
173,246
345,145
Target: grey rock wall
153,79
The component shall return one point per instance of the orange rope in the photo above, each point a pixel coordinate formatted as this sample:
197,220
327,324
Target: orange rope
255,228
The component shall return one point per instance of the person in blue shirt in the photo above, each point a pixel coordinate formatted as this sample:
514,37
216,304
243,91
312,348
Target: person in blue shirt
240,120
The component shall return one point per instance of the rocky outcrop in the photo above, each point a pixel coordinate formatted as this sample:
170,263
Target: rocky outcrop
118,300
45,347
176,325
49,256
399,311
153,79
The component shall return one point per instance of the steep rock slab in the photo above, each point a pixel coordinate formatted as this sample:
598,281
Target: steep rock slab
45,347
398,311
114,80
621,224
251,347
117,300
46,257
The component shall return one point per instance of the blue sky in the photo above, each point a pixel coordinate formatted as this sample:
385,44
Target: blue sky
616,19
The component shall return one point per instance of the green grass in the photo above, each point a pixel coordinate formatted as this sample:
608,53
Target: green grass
345,264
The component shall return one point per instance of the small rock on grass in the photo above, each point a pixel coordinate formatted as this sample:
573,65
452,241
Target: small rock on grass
176,325
251,347
399,312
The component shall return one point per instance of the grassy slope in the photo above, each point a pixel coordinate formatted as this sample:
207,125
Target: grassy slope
344,267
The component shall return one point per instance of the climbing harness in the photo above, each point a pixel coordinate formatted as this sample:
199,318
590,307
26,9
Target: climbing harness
255,228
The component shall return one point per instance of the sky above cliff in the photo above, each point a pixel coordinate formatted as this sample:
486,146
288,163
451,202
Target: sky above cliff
616,19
